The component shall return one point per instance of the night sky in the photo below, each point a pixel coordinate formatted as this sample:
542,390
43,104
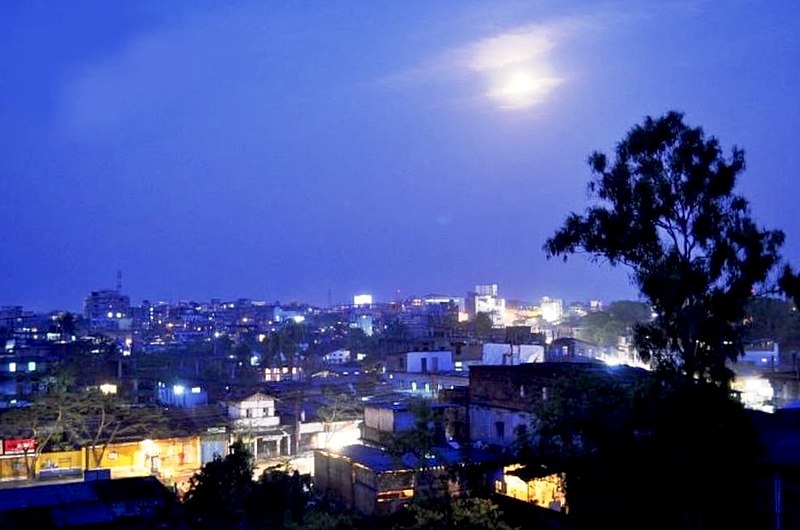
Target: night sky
276,150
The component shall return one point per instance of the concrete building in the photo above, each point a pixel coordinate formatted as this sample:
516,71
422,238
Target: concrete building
337,357
107,311
255,421
179,395
371,481
551,309
484,299
504,399
429,361
385,419
570,349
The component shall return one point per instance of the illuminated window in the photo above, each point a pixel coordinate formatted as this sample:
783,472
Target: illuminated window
31,366
12,367
387,496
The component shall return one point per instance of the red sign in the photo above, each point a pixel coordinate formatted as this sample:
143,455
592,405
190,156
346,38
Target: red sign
18,446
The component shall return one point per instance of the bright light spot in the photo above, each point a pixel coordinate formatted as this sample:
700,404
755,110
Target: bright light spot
298,318
31,366
119,315
518,65
362,299
110,314
521,90
195,390
12,367
148,446
612,361
178,390
108,388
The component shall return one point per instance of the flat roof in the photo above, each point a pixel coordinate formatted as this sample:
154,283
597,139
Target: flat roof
382,461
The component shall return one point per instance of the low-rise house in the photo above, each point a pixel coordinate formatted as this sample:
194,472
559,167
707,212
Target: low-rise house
255,421
139,502
373,481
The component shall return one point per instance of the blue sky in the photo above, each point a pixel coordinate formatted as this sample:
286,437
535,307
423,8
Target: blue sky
276,150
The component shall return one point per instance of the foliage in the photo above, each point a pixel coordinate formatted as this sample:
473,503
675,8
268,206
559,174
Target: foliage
666,208
605,327
44,421
325,519
771,319
666,451
360,342
220,493
339,406
456,514
224,495
95,421
419,441
288,496
482,325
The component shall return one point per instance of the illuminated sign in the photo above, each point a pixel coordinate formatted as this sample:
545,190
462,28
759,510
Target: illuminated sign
18,446
362,299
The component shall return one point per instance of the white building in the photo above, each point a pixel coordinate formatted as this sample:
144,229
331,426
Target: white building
486,300
254,412
499,354
337,357
429,361
552,309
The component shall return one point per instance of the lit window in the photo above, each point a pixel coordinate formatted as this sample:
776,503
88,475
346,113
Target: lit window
31,366
12,367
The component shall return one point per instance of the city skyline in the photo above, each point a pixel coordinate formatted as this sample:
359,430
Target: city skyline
279,152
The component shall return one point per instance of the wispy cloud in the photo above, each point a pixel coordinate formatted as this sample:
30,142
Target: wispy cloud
515,68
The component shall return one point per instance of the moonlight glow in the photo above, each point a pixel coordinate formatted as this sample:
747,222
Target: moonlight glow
517,65
521,90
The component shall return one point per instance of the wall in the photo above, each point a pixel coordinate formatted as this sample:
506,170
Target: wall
483,422
174,455
435,361
333,475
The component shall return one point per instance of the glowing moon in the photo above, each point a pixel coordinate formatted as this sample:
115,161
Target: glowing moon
521,89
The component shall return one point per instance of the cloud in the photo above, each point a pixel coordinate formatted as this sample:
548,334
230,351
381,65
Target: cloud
189,69
512,70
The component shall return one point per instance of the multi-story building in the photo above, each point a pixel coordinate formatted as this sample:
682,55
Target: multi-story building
107,311
485,299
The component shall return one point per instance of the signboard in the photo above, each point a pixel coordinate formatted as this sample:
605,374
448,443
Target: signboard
18,446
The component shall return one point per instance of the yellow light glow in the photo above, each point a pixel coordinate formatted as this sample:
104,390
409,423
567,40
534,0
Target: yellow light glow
148,446
108,388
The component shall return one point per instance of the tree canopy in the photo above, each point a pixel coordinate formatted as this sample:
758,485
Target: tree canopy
666,208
